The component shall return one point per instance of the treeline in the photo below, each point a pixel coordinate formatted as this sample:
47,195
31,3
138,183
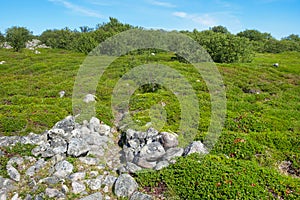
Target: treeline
223,46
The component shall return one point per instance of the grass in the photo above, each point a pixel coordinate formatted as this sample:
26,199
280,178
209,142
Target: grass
261,130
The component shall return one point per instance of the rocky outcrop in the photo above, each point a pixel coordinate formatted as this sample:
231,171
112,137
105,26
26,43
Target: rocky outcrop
88,160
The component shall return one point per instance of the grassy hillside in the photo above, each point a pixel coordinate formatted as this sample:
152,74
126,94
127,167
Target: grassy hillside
261,131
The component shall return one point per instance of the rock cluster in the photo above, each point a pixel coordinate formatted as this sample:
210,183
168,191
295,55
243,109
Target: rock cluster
87,160
31,45
153,150
34,44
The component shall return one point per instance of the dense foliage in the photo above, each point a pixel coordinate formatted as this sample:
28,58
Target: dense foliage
17,37
223,46
261,130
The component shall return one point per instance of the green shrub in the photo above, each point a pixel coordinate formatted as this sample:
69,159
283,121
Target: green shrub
17,37
217,177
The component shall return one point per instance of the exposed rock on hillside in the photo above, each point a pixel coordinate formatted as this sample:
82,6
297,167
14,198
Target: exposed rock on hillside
86,158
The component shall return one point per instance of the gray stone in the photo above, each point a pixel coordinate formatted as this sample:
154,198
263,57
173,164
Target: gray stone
134,143
173,153
152,152
144,163
140,196
129,153
89,160
64,189
94,184
109,180
85,130
67,124
51,192
28,197
16,197
96,150
94,124
57,158
104,130
48,153
152,133
94,173
195,147
169,140
52,180
36,167
13,173
77,147
125,186
39,196
78,187
130,134
132,168
161,164
96,139
40,149
58,145
89,98
15,160
63,168
95,196
77,176
3,194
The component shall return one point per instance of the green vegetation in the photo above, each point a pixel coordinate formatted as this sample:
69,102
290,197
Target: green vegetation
262,125
17,36
17,150
261,130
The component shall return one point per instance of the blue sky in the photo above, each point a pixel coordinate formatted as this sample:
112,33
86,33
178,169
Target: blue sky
278,17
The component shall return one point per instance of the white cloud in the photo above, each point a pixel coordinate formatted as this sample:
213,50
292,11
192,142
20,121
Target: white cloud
180,14
78,9
204,19
162,3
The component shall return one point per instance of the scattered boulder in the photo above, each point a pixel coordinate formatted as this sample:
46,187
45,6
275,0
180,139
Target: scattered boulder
13,173
89,98
169,140
125,186
62,94
78,187
195,147
51,192
77,147
95,196
63,169
140,196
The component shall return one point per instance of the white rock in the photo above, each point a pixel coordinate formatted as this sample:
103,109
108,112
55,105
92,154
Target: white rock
89,98
13,173
78,187
62,93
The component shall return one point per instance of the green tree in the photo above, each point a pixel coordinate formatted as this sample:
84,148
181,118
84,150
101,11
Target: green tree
255,35
17,37
224,48
85,43
292,37
85,29
2,38
63,38
220,29
111,28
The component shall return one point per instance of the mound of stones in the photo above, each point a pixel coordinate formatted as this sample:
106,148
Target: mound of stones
90,160
153,149
31,45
